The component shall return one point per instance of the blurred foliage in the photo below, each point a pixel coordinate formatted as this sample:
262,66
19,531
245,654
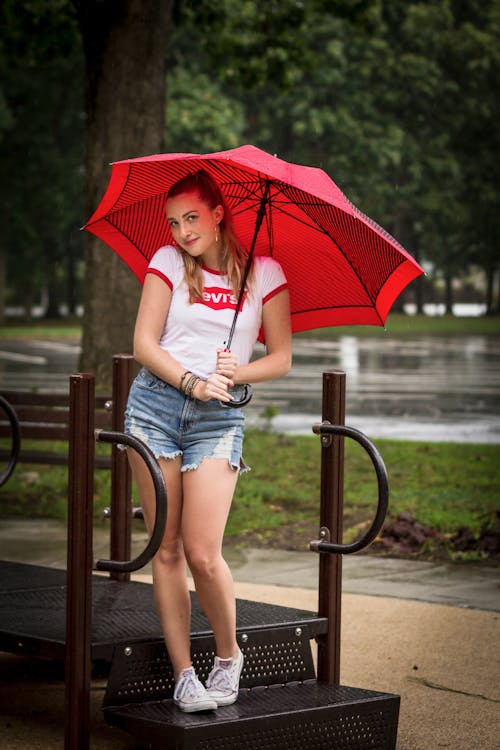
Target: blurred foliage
448,487
398,102
41,149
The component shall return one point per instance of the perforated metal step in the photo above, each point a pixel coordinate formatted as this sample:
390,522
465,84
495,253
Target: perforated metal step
33,613
142,672
295,716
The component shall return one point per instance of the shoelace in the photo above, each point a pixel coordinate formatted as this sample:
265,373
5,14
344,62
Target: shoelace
189,687
221,678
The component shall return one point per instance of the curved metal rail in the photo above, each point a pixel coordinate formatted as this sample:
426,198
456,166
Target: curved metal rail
323,545
16,440
128,566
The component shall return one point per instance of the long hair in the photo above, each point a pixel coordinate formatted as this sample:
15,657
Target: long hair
233,256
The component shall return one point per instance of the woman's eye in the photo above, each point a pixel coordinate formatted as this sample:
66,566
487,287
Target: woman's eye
192,217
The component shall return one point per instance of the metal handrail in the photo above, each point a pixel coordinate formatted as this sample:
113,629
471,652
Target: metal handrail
323,545
16,440
128,566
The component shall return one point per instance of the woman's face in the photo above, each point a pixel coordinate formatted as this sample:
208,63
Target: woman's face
195,227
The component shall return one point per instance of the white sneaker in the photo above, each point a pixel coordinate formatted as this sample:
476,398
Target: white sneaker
224,679
190,695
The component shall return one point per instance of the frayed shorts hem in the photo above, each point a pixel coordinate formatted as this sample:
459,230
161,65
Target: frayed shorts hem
241,468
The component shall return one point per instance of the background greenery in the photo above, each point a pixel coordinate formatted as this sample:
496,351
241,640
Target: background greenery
398,102
448,493
441,489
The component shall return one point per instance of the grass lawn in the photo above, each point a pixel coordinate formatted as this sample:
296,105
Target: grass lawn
440,488
397,324
444,487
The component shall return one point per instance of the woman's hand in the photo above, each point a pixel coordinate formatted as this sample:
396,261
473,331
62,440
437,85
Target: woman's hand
227,364
214,387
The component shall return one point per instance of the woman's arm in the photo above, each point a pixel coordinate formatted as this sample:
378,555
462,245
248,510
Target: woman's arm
277,331
151,316
153,310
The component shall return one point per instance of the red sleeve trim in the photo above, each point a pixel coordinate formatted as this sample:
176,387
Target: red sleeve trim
162,276
274,293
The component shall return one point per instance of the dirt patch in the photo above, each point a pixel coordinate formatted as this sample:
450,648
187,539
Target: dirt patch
401,537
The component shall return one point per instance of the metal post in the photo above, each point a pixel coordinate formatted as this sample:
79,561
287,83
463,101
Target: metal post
331,512
121,478
79,562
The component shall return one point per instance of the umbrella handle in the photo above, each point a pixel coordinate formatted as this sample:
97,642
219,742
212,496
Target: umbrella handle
243,401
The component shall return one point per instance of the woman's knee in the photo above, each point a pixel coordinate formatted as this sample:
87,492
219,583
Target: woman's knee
170,554
203,564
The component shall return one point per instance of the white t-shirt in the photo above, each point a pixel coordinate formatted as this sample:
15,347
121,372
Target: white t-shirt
193,332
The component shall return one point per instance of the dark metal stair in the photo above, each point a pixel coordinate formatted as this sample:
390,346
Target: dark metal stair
281,706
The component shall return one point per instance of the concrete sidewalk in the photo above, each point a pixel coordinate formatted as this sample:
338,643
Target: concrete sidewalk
442,660
460,585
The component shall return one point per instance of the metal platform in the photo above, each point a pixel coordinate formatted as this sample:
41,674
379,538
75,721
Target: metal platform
33,613
83,617
281,706
304,716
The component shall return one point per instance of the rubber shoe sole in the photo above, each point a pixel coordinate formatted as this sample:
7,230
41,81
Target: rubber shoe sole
204,705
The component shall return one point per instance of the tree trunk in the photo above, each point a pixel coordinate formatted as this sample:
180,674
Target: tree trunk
448,294
125,46
491,308
71,290
53,289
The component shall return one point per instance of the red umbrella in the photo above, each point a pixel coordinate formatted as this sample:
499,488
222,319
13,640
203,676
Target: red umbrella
341,267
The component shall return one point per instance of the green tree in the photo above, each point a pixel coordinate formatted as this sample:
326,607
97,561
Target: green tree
41,129
474,61
217,121
125,47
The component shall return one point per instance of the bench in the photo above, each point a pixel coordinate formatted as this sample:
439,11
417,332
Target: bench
44,417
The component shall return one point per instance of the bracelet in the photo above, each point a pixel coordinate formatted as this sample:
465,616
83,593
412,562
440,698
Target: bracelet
187,385
192,386
182,378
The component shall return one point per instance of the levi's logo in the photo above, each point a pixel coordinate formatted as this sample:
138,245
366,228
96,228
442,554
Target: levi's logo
219,299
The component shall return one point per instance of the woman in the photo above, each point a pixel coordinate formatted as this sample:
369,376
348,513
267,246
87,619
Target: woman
177,407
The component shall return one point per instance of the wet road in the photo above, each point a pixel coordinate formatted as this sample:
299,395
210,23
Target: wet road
424,387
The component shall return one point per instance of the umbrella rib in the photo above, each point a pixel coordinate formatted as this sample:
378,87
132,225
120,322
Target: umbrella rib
334,240
335,307
312,223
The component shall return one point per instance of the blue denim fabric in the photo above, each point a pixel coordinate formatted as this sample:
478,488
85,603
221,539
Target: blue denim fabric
171,424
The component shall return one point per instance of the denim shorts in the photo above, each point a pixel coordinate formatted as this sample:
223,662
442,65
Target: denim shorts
172,425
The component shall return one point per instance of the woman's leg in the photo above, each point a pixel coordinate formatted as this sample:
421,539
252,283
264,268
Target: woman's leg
171,592
207,496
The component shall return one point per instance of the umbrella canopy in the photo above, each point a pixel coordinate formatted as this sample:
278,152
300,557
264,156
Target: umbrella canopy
341,267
